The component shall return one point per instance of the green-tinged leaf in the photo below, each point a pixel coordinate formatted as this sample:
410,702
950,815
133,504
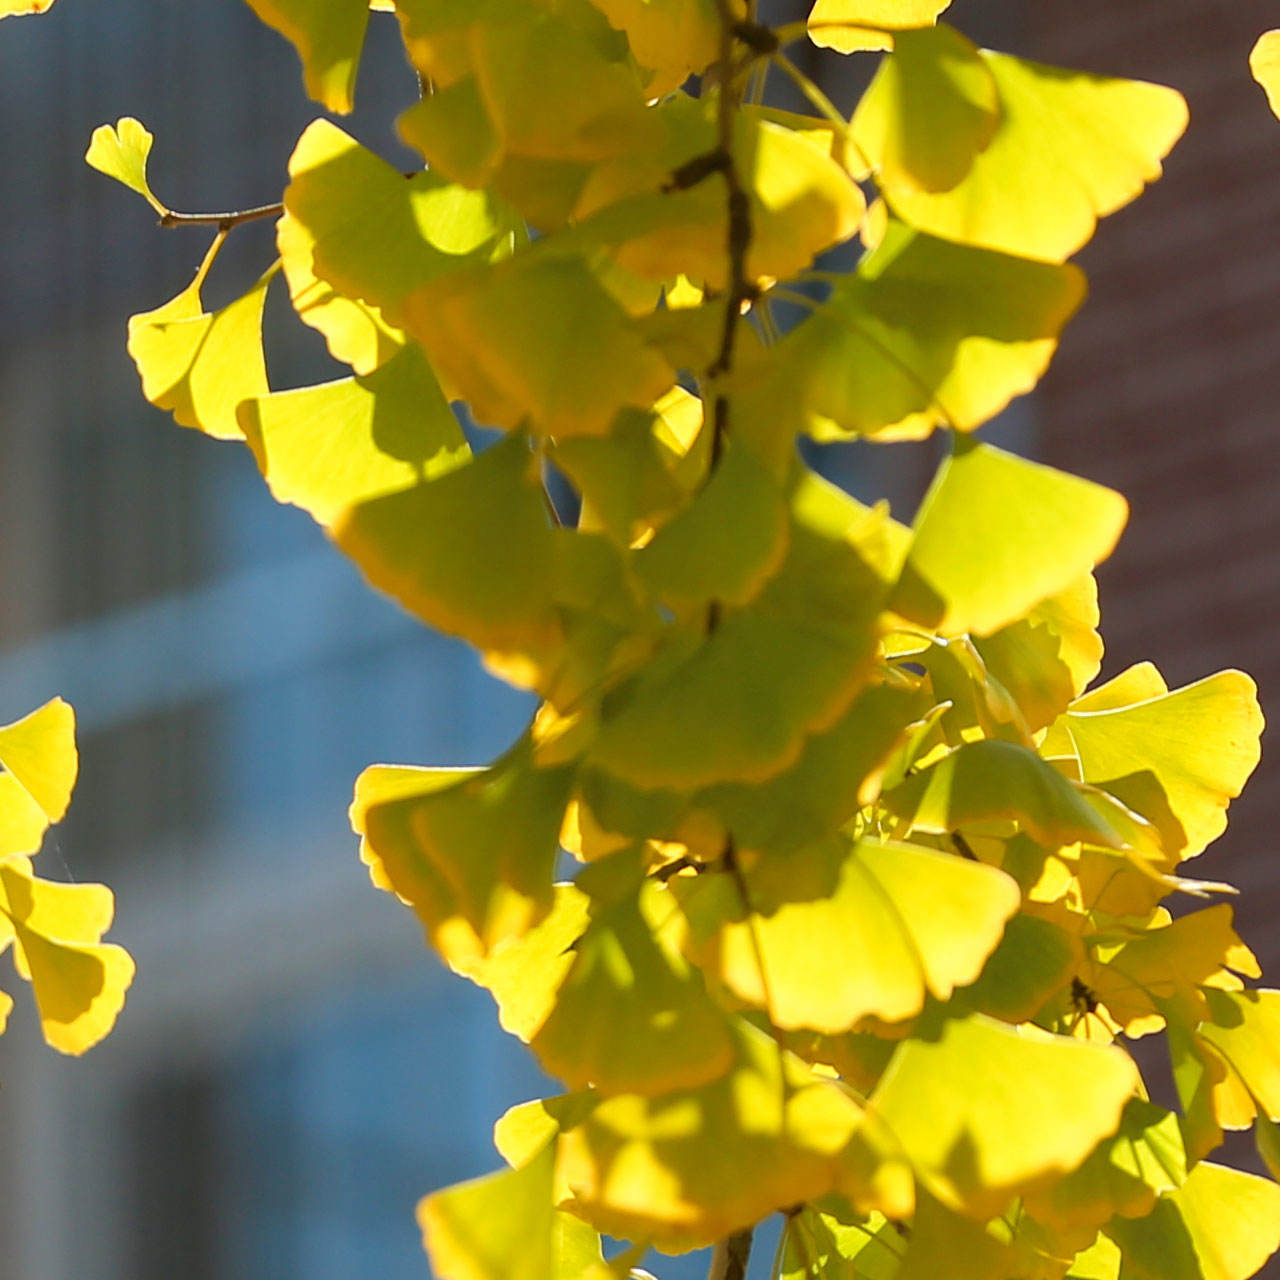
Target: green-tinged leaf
838,931
984,780
330,447
997,534
726,543
537,340
499,1227
1264,63
632,1016
38,753
355,332
1047,658
1034,961
1266,1135
1100,1261
1070,148
79,982
202,365
850,25
1176,758
1244,1029
1123,1175
985,1111
925,333
830,1241
687,1168
472,852
945,1243
1219,1225
930,110
375,235
120,151
523,974
328,35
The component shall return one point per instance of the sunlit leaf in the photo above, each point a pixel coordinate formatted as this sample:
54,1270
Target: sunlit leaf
328,35
672,38
850,25
79,982
1244,1028
1034,960
1219,1225
1264,63
330,447
931,109
686,1168
202,365
824,1244
472,851
838,931
1177,758
120,151
986,1110
997,534
17,8
1070,148
39,753
926,333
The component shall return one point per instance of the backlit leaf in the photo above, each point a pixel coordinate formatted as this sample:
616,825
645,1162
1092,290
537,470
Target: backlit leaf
820,1243
1069,149
328,35
1034,960
1264,63
120,151
330,447
18,8
1244,1028
997,534
850,25
39,753
672,38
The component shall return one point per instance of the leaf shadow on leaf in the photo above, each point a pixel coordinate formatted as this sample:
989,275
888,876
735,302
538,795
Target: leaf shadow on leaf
1142,792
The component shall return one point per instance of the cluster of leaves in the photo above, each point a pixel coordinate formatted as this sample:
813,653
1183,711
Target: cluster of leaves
869,881
55,929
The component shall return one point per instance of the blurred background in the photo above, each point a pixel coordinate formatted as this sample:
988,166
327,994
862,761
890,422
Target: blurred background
292,1069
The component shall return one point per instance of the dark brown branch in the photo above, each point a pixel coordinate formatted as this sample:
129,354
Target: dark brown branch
963,847
730,1257
223,221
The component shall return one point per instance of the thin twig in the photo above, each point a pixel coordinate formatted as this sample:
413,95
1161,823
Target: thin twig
223,221
730,1257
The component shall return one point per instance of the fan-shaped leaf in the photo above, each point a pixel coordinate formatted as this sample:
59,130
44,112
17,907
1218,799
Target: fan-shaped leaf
850,25
328,35
1264,63
120,151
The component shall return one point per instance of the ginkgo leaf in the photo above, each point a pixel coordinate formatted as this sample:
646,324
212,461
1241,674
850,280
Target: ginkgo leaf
537,340
726,543
1123,1175
980,781
673,39
356,332
930,110
997,534
1243,1027
202,365
632,1016
120,151
686,1168
840,930
330,447
1069,149
821,1242
471,851
850,25
944,1242
39,753
1264,63
925,333
328,35
1221,1224
376,235
18,8
1034,960
986,1110
79,982
1176,758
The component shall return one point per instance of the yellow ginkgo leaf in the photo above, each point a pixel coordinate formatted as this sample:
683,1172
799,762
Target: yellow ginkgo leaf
328,35
471,851
930,110
980,781
1264,63
1176,758
355,332
944,1242
202,365
1221,1224
673,39
839,1243
38,753
1069,149
838,931
688,1167
17,8
120,151
328,448
850,25
959,1102
632,1016
79,983
1034,960
997,534
1243,1028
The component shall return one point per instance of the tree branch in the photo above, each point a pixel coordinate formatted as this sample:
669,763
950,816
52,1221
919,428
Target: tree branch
223,221
729,1260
